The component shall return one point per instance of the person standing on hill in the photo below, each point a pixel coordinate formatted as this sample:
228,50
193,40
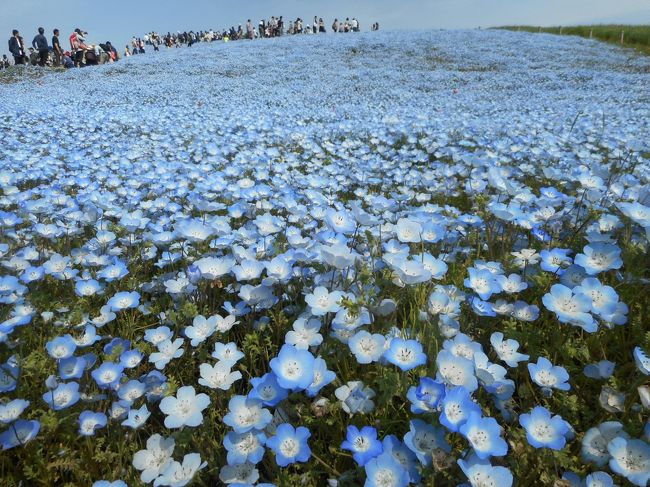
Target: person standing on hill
56,48
250,30
17,48
39,43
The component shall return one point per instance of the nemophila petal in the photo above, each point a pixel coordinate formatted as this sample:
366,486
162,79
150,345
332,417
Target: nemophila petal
406,354
108,483
363,444
642,361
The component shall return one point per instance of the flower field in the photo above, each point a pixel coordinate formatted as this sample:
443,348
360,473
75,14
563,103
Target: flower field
382,259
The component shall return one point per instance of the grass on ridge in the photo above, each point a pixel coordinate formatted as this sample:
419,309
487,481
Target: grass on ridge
635,36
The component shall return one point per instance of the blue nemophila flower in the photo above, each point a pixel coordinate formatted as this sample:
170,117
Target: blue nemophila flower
131,358
61,347
158,335
62,396
430,391
367,347
201,329
89,421
20,432
293,368
322,377
555,260
167,350
604,299
245,414
184,409
482,282
599,257
124,300
87,287
481,473
108,483
178,474
456,371
642,361
456,407
321,301
507,349
385,470
600,370
511,284
406,354
596,439
630,459
11,411
218,376
227,352
424,439
137,417
108,375
131,390
290,444
363,444
355,397
549,376
155,458
570,307
403,455
244,447
484,436
305,334
544,430
267,389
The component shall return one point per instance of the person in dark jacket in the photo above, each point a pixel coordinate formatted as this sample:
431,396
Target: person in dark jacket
56,48
17,48
40,44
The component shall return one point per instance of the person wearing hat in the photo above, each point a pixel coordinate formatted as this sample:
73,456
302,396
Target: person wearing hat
40,44
17,48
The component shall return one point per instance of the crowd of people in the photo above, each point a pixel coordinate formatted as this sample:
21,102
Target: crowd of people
51,53
81,53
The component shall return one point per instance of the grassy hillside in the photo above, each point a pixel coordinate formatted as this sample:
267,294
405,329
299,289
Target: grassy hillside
636,36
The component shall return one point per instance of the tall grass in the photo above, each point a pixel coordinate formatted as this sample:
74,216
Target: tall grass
635,36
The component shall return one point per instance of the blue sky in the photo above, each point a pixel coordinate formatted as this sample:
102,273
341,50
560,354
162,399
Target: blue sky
125,18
